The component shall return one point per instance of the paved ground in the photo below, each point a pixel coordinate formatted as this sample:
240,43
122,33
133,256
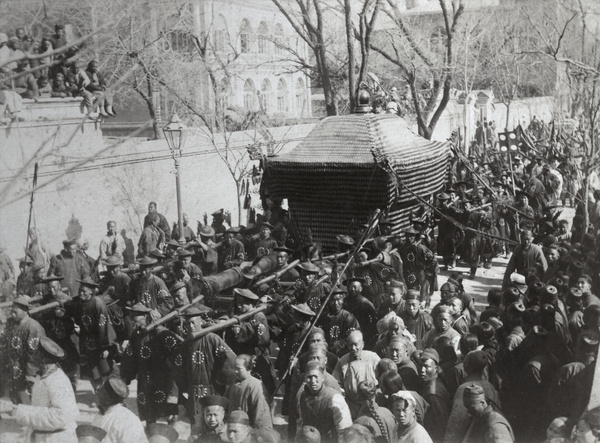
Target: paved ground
478,288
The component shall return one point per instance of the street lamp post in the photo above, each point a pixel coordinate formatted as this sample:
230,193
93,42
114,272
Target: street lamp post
175,135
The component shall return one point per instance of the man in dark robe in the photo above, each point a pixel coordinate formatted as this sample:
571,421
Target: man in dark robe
362,309
204,366
163,224
151,290
18,348
338,323
146,358
96,333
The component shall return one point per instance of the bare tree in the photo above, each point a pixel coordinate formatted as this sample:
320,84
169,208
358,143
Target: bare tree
566,38
307,19
405,46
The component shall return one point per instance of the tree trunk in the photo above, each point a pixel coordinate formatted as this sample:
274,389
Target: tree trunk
239,200
586,213
351,60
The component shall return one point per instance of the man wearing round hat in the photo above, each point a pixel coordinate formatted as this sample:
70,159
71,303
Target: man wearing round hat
70,265
252,336
120,424
362,309
218,222
151,291
449,234
19,344
38,286
486,423
184,270
96,333
117,279
204,366
59,326
264,244
238,428
53,410
309,290
231,250
147,359
25,278
419,265
206,256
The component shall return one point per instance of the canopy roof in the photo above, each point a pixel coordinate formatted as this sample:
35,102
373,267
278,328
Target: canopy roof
335,171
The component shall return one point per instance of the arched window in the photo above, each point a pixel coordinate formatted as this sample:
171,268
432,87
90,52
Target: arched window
221,35
279,39
263,39
249,95
266,96
300,92
282,96
225,93
245,36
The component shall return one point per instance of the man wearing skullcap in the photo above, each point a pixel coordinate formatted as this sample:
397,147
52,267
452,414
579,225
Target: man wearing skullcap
308,434
322,407
213,428
474,363
394,298
487,425
69,265
409,430
53,411
435,393
416,320
120,424
238,428
19,348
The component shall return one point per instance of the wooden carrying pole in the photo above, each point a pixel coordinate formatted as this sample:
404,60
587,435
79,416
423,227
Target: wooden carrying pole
45,307
365,235
171,315
228,323
277,274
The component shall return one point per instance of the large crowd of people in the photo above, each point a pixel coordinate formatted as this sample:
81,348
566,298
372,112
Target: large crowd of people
46,67
351,341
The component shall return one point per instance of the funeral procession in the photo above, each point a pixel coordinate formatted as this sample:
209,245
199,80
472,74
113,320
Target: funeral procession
299,221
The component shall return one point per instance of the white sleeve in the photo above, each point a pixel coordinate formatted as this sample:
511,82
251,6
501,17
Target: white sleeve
55,417
341,412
